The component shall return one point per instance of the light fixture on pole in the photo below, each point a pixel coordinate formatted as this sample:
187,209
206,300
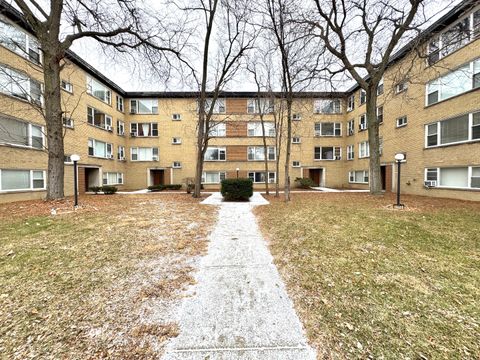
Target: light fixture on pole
75,158
238,169
399,158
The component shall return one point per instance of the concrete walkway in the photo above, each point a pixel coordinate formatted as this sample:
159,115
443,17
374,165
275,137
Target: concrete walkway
239,308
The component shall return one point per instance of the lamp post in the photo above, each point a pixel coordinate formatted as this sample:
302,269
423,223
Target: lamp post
399,158
238,169
75,158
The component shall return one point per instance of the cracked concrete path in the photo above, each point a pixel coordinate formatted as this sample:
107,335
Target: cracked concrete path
239,308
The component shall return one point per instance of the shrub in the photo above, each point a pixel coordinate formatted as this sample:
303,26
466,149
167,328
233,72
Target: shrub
304,183
173,186
237,189
155,188
109,190
95,189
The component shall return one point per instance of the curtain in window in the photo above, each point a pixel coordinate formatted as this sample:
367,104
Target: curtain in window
456,82
15,179
146,129
454,130
13,132
455,177
475,177
100,149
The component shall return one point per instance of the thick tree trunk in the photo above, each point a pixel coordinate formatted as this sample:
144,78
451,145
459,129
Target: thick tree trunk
201,147
288,149
375,177
53,118
265,150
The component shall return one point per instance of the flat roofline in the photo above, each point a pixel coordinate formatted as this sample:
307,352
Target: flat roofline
231,94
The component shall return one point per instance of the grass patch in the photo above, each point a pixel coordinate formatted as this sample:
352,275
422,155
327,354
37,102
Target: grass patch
75,285
371,281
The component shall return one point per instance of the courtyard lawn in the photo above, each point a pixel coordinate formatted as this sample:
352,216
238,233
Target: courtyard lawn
98,282
369,281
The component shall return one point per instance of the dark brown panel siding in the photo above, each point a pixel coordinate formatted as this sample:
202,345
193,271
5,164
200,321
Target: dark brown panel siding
236,153
236,128
236,106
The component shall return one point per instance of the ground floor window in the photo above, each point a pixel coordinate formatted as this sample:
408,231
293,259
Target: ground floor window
213,177
11,180
112,178
358,177
466,177
259,176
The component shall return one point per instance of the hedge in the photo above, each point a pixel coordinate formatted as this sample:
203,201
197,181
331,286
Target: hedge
107,190
237,189
155,188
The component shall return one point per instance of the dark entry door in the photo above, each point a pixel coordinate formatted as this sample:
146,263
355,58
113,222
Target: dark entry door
158,177
383,173
316,176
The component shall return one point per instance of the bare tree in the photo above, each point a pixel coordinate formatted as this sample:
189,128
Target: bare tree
363,35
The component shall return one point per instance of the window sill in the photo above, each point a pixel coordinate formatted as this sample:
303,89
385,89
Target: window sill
454,188
452,144
358,183
96,98
38,65
327,159
100,128
99,157
401,126
21,191
135,113
24,147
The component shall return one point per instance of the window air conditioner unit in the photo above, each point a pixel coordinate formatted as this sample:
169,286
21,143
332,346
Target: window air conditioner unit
121,158
108,128
110,156
271,181
363,126
338,157
155,158
350,132
430,183
133,134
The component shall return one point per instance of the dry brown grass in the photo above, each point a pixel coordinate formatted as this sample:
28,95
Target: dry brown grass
98,282
372,282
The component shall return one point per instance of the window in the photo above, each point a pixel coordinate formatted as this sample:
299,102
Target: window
210,177
296,140
380,114
20,133
260,106
120,106
112,178
176,141
99,119
295,163
218,129
144,106
351,103
67,159
144,153
120,128
380,87
350,127
363,97
363,150
177,165
358,177
143,129
350,152
363,123
328,129
67,86
215,154
259,177
459,129
18,180
176,117
18,41
328,153
327,106
218,108
296,117
19,85
100,149
454,37
401,87
98,90
121,153
256,153
68,122
402,121
456,82
466,177
255,129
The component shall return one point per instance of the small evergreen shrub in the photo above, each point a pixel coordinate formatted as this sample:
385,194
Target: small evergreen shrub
95,189
173,186
304,183
237,189
156,188
109,190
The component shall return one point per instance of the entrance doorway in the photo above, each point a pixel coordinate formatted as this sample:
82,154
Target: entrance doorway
386,174
157,177
317,176
91,178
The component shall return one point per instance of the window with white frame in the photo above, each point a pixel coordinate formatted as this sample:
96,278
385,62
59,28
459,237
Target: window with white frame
256,153
98,90
463,177
296,140
350,152
218,106
380,87
295,163
144,106
213,177
176,117
120,127
67,86
351,103
21,180
112,178
260,106
176,141
401,87
350,127
99,119
144,153
143,129
20,133
363,123
463,79
328,129
380,114
259,177
363,150
327,106
68,122
215,154
358,177
363,97
177,165
100,149
67,159
328,153
121,153
19,85
19,41
297,117
120,106
460,129
255,129
218,129
402,121
454,37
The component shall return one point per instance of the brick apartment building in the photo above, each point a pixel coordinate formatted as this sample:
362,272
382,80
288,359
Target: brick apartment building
136,139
